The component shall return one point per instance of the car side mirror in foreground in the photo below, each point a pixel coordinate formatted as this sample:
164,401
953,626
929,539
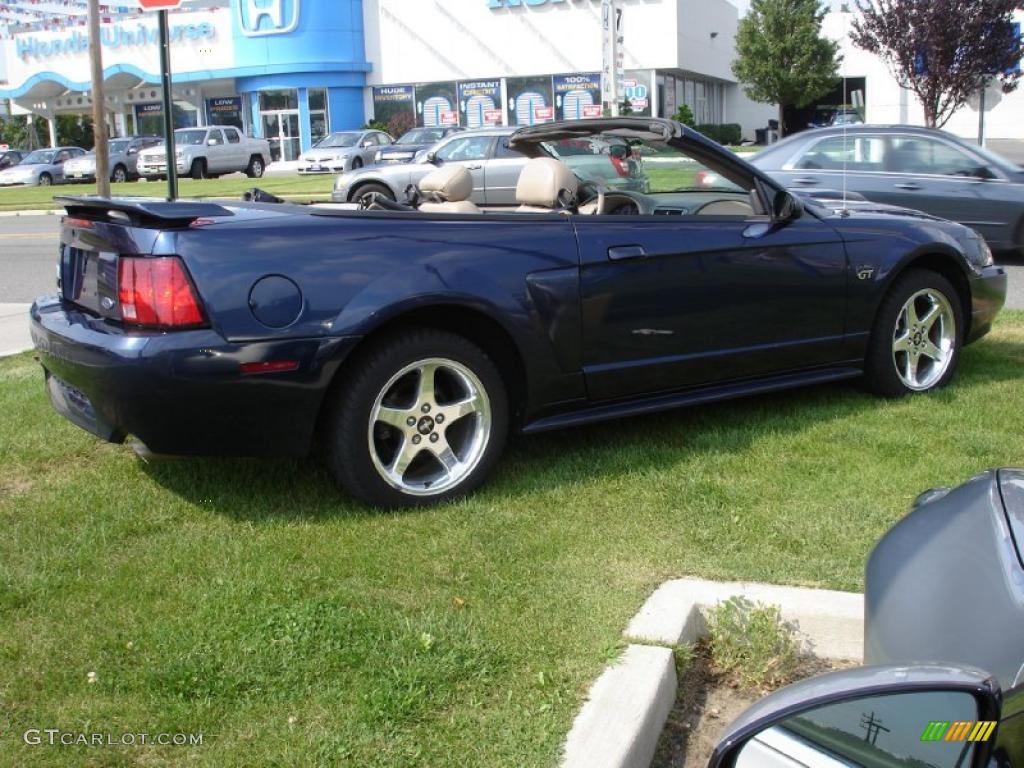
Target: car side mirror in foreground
785,207
884,716
132,151
431,157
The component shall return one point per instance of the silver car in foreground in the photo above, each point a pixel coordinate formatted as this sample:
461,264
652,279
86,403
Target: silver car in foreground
494,167
42,167
920,168
343,151
124,160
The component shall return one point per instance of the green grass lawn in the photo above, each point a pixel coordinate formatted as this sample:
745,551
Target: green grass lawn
303,188
252,602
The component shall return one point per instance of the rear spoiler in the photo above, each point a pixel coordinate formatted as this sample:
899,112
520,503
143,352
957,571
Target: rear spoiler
141,211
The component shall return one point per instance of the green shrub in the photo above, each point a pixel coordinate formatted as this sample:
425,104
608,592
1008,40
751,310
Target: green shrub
751,642
684,115
726,133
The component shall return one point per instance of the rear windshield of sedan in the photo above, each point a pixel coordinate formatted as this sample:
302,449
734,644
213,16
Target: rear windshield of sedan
39,156
422,136
338,140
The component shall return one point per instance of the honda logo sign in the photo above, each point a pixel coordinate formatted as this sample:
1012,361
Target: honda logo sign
257,18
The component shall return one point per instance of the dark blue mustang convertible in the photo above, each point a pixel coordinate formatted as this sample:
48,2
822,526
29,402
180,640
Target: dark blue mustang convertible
407,340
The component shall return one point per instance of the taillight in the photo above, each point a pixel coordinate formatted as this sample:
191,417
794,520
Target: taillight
620,165
156,291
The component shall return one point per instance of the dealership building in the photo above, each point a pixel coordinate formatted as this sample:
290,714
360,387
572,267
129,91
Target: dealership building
293,70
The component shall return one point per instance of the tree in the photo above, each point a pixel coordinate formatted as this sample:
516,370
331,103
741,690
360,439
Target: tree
782,57
684,115
942,50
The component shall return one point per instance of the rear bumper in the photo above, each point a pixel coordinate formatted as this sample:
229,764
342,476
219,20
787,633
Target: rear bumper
988,294
182,392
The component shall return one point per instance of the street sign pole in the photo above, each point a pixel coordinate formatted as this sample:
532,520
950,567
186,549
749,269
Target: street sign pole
165,82
99,106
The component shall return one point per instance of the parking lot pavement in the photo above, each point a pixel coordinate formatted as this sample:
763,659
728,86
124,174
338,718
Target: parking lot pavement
14,336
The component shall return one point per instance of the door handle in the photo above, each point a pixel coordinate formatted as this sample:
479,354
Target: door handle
805,180
473,167
908,185
618,252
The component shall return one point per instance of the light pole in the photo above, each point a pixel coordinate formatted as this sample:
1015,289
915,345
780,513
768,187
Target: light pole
99,116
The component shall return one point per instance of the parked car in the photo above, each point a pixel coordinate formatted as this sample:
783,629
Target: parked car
410,143
343,151
944,599
41,167
494,167
11,157
411,341
123,156
206,153
921,168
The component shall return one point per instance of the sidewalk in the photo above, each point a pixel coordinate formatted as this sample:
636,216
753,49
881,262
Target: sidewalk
14,336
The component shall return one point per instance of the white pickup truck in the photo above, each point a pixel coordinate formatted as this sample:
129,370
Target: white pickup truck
206,153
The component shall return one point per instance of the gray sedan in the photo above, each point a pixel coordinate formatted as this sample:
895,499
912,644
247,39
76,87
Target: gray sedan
42,167
123,160
921,168
343,151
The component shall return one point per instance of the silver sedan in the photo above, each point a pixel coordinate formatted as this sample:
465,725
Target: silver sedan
920,168
42,167
343,151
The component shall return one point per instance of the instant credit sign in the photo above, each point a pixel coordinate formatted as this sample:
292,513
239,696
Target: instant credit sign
577,96
480,102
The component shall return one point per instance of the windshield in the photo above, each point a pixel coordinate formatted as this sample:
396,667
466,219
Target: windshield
338,140
39,156
422,136
650,167
192,136
118,147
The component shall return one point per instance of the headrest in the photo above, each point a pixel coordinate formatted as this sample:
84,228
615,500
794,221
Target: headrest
546,182
449,183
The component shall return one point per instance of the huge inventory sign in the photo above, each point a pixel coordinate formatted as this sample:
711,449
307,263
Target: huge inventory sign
436,105
530,100
480,102
578,96
392,100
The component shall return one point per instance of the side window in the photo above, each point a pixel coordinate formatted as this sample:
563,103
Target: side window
63,155
215,138
855,153
232,134
923,155
504,151
465,148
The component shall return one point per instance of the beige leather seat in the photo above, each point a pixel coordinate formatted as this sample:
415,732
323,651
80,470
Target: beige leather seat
447,190
545,185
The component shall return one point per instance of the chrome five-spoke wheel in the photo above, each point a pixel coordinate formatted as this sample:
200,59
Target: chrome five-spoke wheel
429,426
924,340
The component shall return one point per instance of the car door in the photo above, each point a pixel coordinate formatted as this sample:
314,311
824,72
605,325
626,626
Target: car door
676,299
235,151
501,173
216,153
470,152
855,161
933,175
58,164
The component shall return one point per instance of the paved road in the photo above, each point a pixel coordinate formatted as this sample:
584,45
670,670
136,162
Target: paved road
28,258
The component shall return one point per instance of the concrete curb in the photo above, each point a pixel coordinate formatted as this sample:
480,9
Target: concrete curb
626,708
14,329
33,212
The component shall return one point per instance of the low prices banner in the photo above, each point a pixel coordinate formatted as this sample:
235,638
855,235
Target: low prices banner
477,100
225,110
578,95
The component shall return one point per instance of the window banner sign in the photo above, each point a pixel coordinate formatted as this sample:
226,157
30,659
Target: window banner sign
479,100
577,96
436,105
636,89
390,101
224,110
530,100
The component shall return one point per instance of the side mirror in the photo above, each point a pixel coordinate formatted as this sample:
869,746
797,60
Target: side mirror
132,151
366,144
984,172
785,207
431,157
870,716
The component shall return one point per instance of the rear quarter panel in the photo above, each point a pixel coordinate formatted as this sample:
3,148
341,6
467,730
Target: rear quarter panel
358,271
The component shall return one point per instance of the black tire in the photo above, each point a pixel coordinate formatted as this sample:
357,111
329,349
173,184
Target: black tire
119,174
366,192
198,169
347,435
255,168
45,180
357,163
881,375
